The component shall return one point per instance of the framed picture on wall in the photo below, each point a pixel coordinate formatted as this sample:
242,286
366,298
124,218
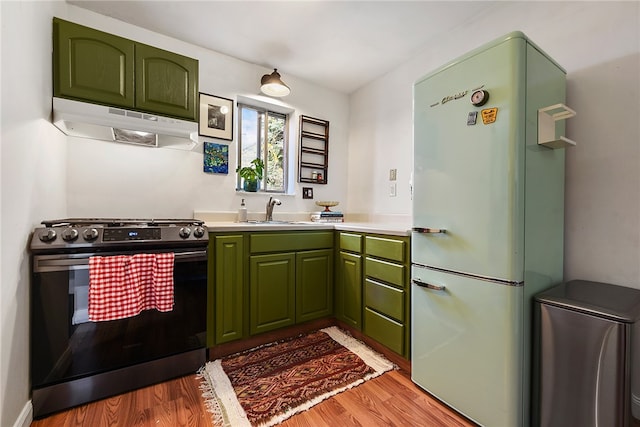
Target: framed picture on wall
216,117
216,158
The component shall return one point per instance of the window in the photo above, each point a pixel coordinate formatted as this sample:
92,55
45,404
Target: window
263,134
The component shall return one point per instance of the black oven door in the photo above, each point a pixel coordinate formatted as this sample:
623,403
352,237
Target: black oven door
66,345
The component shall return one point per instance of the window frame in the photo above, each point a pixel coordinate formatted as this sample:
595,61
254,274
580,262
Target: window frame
263,152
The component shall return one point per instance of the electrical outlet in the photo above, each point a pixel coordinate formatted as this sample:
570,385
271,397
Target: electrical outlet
392,190
307,192
392,174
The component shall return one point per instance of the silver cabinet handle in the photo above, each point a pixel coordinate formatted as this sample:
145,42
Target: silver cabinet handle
428,285
426,230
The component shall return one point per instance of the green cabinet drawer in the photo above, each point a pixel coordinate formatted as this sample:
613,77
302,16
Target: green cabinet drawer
351,242
384,330
293,241
385,271
391,249
385,299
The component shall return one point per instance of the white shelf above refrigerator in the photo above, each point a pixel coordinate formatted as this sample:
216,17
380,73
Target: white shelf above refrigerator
547,118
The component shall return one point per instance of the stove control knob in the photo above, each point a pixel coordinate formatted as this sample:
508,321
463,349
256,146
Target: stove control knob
198,232
48,235
69,234
184,232
90,234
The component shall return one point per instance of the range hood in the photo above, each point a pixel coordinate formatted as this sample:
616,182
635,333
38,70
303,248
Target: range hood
86,120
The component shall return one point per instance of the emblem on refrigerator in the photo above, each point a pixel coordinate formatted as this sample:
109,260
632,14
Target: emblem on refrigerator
489,115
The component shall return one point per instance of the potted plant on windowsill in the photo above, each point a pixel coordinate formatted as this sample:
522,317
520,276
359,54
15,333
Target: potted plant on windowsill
251,175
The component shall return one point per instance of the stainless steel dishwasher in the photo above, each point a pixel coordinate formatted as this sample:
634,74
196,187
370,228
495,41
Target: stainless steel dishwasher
586,356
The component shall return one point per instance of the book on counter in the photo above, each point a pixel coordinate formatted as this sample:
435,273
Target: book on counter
324,214
327,216
328,219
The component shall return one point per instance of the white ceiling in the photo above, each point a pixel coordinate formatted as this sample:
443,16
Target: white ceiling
341,45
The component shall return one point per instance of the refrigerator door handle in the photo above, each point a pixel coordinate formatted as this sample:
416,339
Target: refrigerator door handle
428,285
425,230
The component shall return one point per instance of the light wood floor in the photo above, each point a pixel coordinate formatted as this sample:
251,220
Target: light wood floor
389,400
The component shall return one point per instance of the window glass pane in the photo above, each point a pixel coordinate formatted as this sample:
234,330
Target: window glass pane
250,135
275,153
263,134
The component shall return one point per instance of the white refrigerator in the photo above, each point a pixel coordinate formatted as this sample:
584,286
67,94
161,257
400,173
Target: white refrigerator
488,214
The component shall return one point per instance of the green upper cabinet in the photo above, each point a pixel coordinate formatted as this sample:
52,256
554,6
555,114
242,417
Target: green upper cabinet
165,82
102,68
91,65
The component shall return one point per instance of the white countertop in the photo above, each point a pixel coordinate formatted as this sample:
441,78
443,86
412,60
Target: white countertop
379,228
397,225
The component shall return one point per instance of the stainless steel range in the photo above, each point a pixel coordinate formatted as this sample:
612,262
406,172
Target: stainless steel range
75,360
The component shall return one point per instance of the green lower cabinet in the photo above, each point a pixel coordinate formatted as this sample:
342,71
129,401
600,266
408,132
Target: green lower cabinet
385,299
272,287
228,288
384,330
386,291
384,314
348,289
314,285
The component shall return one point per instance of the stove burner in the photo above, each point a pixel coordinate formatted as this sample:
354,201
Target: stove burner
118,222
108,234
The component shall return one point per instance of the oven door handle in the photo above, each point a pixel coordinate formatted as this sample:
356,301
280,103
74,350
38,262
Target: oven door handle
190,256
67,263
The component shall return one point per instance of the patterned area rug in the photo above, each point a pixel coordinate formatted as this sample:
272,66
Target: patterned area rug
266,385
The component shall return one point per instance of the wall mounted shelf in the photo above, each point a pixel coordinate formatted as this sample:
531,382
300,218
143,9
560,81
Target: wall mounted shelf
547,118
314,150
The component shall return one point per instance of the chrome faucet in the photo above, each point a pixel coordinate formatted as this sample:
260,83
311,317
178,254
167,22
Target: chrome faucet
270,204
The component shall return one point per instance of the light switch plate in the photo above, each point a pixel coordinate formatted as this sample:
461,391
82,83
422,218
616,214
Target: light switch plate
392,190
392,174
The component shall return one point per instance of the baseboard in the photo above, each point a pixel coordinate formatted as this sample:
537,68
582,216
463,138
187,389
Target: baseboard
26,416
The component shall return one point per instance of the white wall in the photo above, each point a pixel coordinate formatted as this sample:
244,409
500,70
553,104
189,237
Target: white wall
33,181
46,175
116,180
598,43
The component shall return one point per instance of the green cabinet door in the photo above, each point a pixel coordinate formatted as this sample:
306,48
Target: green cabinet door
349,289
229,287
271,292
91,65
102,68
314,284
166,83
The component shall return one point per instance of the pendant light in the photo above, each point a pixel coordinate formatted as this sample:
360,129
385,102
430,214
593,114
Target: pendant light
272,85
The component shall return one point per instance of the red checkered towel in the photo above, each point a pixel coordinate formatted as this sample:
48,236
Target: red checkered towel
123,285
